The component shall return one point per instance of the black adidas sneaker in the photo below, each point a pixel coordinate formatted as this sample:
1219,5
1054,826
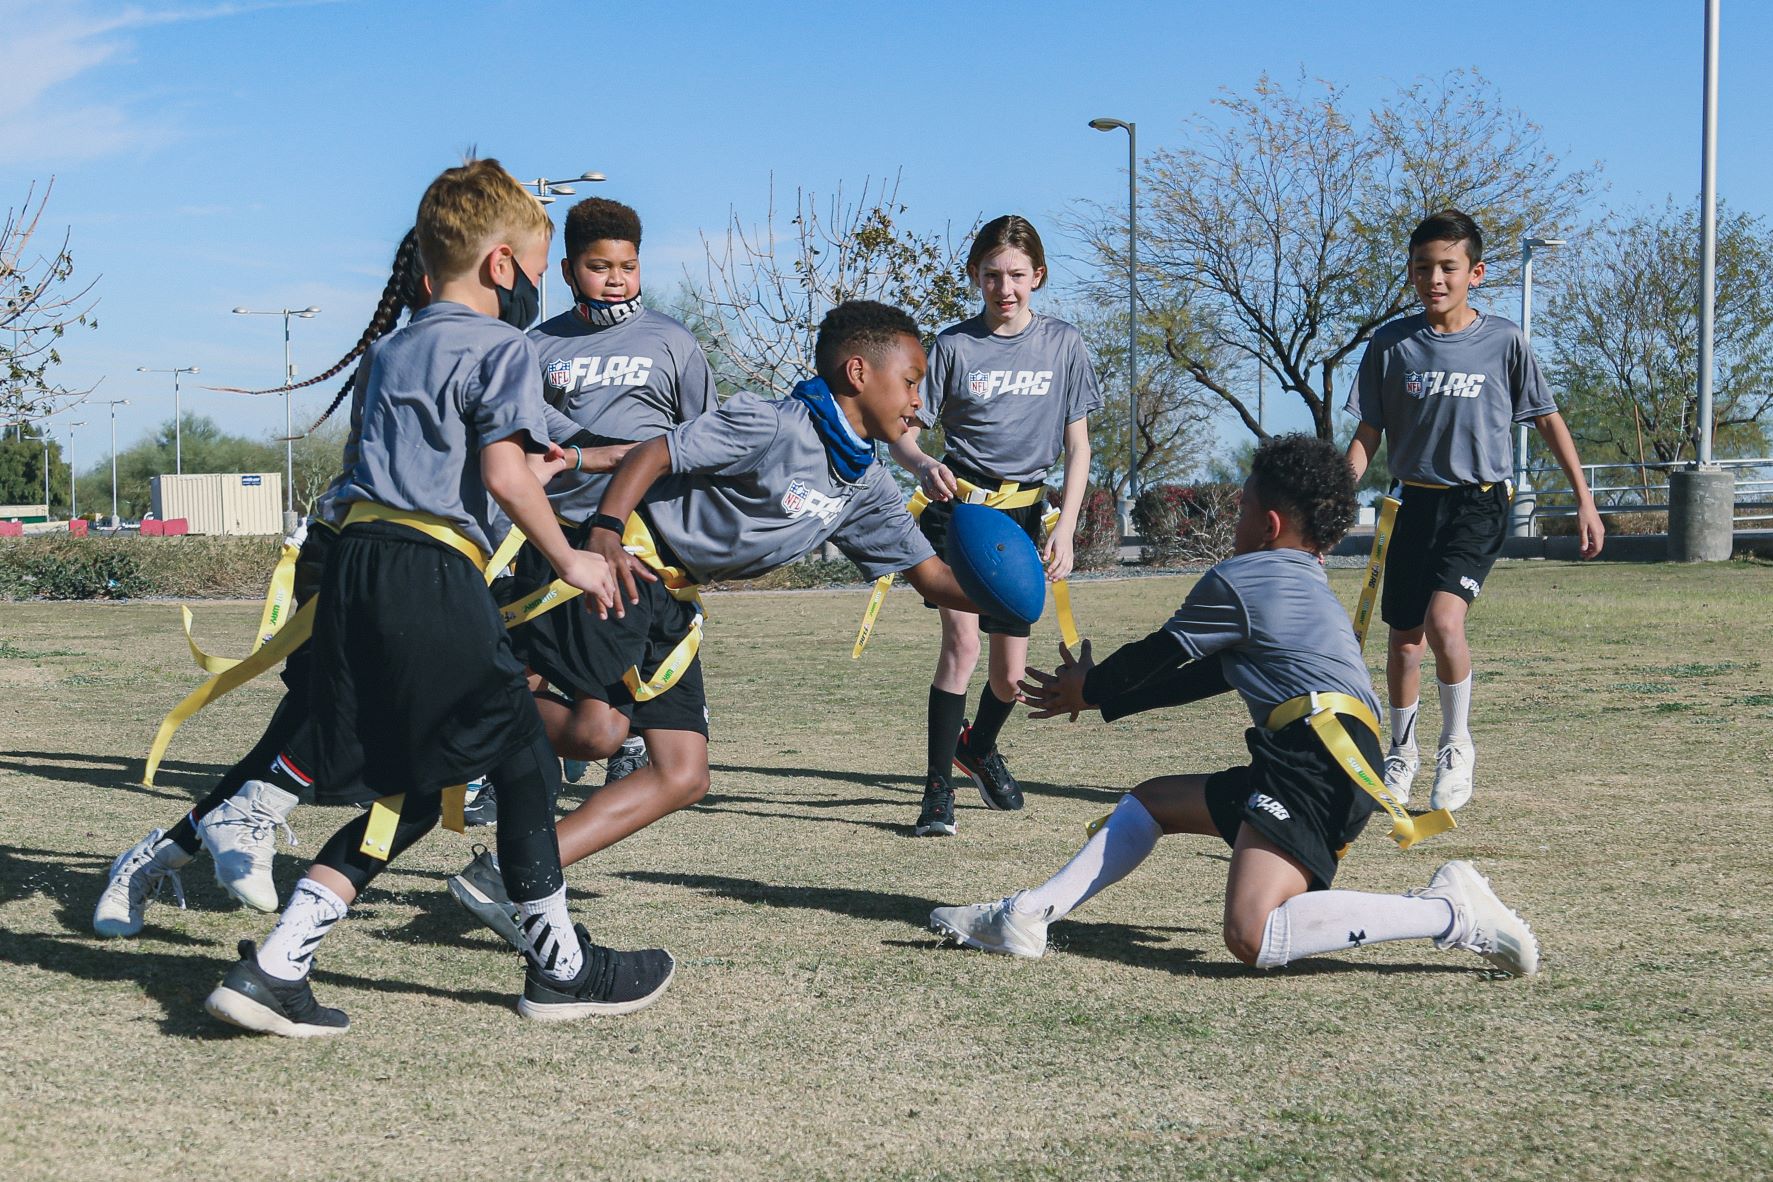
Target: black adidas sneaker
989,774
252,999
609,982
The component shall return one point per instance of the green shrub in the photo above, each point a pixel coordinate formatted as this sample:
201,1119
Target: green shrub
57,566
1186,523
1642,521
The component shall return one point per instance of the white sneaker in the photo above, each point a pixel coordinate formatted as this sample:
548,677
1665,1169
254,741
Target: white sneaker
1401,764
240,834
136,877
1481,922
1453,765
995,927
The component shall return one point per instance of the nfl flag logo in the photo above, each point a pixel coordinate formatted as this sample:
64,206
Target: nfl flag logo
979,383
794,500
560,373
1413,384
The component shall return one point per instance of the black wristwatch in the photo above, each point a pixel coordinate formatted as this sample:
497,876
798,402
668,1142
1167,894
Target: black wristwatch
614,524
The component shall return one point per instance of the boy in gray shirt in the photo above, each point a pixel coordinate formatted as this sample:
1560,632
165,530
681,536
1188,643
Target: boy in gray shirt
1444,386
613,371
1266,624
731,495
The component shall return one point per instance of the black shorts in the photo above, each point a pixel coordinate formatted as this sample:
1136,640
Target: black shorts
585,657
414,686
1295,794
1445,539
933,521
310,568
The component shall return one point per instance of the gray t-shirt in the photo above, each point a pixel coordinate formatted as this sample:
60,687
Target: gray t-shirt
631,382
751,489
1004,402
1445,400
1278,629
439,390
327,507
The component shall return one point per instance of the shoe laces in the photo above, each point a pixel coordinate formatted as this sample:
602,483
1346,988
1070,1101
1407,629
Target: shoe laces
1447,758
260,822
148,877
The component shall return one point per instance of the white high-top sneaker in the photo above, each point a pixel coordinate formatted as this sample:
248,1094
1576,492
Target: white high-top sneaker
136,877
994,927
1482,923
240,834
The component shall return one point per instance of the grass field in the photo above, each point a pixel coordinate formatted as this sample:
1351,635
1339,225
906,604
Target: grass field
1624,721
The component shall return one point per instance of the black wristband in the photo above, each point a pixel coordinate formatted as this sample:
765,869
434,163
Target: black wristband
614,524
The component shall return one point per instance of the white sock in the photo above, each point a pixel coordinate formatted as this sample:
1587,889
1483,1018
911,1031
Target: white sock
288,952
1403,725
1456,711
548,930
1125,840
1330,921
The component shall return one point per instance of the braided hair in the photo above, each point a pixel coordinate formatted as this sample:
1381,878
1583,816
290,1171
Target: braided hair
404,290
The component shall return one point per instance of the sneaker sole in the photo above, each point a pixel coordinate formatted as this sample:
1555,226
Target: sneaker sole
486,910
936,830
966,941
114,929
236,1009
985,796
572,1011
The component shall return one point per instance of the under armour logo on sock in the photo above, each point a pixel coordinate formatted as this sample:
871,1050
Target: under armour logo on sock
1357,938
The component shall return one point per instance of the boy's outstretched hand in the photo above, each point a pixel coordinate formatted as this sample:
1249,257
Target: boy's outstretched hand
1061,691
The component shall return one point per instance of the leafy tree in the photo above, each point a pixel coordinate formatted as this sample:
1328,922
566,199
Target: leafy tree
769,286
39,303
1277,231
21,469
1624,326
206,449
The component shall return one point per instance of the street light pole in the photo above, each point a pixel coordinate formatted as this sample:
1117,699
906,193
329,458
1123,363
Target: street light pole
73,473
178,417
1521,513
546,191
1132,310
115,403
307,313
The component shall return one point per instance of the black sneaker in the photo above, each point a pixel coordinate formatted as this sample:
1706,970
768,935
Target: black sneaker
937,817
609,982
481,889
989,774
253,1000
630,759
484,808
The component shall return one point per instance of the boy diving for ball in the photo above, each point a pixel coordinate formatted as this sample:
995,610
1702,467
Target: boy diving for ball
1266,624
730,495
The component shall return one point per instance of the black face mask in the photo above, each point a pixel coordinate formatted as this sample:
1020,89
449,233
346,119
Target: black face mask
520,304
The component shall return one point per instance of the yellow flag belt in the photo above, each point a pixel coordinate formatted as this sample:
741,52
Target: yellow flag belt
1008,495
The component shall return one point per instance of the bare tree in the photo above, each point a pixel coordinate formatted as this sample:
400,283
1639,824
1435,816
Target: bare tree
767,287
39,302
1276,233
1624,321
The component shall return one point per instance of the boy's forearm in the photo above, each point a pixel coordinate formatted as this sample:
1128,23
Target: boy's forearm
1556,434
907,454
505,470
636,474
1077,475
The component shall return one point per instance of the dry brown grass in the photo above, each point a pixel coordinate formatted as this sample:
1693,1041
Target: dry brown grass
1624,718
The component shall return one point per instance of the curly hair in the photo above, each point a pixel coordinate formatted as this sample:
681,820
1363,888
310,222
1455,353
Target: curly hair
864,326
597,218
1309,478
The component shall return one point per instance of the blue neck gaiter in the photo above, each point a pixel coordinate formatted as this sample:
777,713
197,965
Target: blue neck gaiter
848,452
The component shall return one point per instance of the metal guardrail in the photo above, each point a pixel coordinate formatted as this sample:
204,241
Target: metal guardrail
1754,496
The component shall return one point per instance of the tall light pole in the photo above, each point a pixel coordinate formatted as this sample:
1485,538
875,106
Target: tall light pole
114,404
73,474
288,424
1132,310
1521,513
1708,228
546,191
178,417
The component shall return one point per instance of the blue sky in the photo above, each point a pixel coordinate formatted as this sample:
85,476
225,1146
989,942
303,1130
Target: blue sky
208,155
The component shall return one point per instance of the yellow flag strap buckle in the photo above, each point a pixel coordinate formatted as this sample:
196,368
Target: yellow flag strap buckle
1363,612
384,819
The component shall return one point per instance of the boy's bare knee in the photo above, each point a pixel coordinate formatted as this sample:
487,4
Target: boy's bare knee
593,737
689,786
1242,941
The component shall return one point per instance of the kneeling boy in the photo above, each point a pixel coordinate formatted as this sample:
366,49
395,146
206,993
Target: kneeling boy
1265,623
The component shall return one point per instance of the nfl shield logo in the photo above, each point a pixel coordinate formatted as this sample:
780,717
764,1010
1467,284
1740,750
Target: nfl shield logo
1413,384
560,373
978,383
795,498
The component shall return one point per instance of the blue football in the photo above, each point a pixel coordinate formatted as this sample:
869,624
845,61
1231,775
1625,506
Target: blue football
996,563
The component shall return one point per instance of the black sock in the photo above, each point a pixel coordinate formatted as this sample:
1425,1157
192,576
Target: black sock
989,720
948,714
